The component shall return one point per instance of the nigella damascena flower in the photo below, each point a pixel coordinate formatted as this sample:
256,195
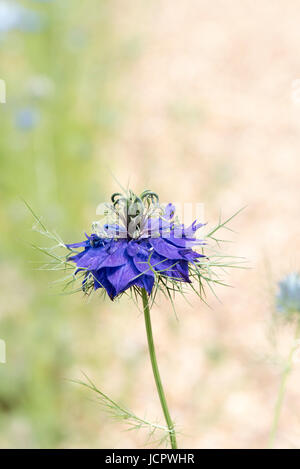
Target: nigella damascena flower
288,295
141,247
146,245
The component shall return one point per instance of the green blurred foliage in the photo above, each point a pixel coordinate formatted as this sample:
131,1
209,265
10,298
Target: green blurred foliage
60,111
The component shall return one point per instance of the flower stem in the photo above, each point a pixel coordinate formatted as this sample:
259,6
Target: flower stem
282,388
156,374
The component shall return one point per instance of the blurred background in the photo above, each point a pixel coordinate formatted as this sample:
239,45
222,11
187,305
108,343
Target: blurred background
198,101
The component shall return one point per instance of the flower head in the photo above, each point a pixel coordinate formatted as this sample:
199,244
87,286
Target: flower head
26,119
141,245
16,17
288,295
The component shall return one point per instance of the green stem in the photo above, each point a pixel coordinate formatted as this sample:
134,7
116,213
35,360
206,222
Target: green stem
282,388
156,374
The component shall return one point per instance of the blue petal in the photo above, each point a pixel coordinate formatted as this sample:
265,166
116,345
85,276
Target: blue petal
160,263
182,242
112,254
182,271
116,256
165,249
76,257
77,245
92,258
101,281
141,262
148,283
122,277
190,255
176,269
181,231
132,248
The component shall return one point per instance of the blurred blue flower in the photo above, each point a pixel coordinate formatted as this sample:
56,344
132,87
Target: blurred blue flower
288,295
16,17
26,119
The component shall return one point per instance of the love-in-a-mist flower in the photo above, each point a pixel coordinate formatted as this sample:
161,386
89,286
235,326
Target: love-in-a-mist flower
288,306
144,246
140,248
288,295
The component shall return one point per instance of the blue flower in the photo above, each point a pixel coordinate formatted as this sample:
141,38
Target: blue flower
146,246
15,17
26,119
288,295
